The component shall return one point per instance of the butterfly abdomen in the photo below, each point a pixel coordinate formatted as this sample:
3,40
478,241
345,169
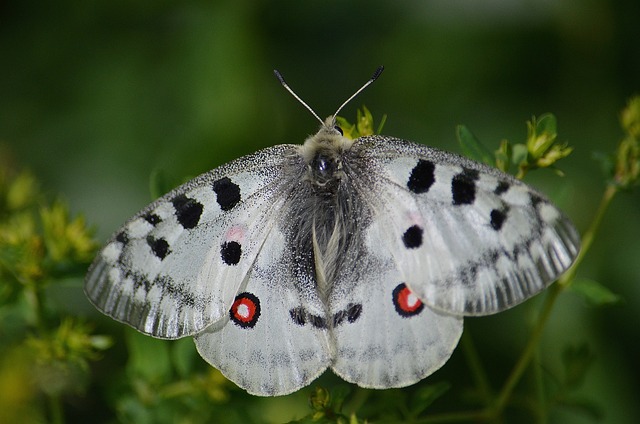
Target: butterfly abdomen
325,212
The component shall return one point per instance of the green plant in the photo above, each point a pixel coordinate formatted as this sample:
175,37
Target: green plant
44,353
48,355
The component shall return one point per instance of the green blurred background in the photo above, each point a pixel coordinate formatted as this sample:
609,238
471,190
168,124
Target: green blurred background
97,95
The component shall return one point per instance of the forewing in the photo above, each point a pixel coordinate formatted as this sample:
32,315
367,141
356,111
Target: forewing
466,238
176,266
273,341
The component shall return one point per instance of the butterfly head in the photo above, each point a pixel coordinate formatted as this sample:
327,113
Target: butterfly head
324,151
323,154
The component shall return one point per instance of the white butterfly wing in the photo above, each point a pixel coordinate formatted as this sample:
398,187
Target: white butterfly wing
274,340
176,267
466,238
384,335
277,282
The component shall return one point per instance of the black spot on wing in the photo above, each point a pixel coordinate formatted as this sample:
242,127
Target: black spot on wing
188,211
122,237
502,188
497,218
463,187
317,321
230,252
351,314
159,247
412,238
227,193
298,315
152,219
178,292
535,200
169,288
422,177
140,281
339,317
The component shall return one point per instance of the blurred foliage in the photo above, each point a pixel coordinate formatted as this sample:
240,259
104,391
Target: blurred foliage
47,353
97,96
540,150
43,352
624,164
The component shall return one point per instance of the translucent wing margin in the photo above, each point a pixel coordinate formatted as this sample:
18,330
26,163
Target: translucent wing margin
467,239
177,265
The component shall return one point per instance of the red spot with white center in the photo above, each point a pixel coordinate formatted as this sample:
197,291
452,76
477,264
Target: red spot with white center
406,303
245,310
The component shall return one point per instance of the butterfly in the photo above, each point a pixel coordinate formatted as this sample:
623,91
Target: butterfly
362,256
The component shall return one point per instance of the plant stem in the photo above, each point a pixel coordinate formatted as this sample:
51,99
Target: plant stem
541,396
552,296
588,236
529,350
477,370
55,408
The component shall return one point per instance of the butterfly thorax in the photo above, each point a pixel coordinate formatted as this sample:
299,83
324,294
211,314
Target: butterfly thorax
328,215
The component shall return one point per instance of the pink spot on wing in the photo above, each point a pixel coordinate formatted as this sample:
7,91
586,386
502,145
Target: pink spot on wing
415,218
236,234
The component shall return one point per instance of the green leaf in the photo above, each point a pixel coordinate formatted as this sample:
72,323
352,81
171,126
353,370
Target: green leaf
339,395
576,360
148,357
546,123
425,396
383,121
158,183
503,156
184,355
607,164
472,148
520,153
594,293
131,410
587,407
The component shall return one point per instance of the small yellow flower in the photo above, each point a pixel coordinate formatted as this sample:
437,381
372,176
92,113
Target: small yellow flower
554,154
363,126
21,247
627,155
66,239
630,117
21,192
542,147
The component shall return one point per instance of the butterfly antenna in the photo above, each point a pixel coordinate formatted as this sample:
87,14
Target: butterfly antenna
286,86
374,77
